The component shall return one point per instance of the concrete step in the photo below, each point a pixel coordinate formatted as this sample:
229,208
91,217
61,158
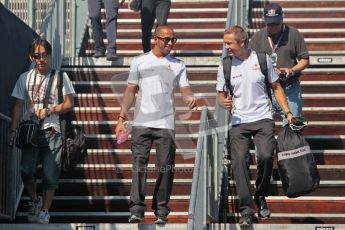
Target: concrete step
192,127
99,204
104,141
303,3
327,157
117,226
208,99
105,217
98,170
202,86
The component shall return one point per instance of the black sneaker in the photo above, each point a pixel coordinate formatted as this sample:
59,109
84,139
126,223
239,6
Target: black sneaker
99,54
263,211
112,57
246,220
161,220
135,219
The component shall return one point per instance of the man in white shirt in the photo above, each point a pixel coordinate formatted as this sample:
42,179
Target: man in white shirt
250,107
30,91
153,77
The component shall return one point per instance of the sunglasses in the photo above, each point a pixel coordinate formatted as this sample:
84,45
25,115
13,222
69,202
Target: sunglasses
39,56
167,39
273,24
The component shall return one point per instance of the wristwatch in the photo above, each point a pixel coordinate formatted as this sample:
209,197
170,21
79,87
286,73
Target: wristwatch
48,112
286,114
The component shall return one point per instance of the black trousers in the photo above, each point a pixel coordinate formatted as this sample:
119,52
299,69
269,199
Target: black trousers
152,9
142,140
240,140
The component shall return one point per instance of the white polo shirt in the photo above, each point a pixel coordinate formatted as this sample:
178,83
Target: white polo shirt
157,79
250,101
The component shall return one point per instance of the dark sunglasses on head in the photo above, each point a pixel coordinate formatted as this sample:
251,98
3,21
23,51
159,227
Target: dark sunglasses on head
39,56
167,39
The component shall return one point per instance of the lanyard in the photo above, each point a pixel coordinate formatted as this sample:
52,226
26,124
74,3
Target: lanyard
36,90
274,46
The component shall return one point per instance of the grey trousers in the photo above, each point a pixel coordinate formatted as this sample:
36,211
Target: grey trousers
112,9
142,140
240,140
152,9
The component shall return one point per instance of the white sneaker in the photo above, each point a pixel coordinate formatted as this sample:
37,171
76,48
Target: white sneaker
34,209
43,217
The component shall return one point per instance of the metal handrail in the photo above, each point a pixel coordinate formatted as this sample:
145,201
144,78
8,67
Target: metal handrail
203,206
10,181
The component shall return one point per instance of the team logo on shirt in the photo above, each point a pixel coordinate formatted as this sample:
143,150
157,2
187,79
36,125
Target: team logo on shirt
236,76
256,67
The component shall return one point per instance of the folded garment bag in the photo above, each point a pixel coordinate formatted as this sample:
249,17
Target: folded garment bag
296,164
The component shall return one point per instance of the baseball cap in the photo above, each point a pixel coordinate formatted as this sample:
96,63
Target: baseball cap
273,13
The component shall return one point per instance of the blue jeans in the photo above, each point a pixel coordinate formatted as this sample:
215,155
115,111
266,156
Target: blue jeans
49,153
294,98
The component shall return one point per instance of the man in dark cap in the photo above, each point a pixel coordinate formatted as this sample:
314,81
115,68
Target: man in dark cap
288,52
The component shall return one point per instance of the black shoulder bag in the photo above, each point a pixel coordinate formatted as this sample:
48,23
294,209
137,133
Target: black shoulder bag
28,131
73,137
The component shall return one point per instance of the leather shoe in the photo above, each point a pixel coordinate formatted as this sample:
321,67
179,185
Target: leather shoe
98,54
161,220
246,220
263,210
112,57
135,219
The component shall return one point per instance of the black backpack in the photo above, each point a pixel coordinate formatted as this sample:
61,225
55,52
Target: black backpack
263,66
73,137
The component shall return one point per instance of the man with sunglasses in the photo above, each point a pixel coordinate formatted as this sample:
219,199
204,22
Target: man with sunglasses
152,79
30,93
288,52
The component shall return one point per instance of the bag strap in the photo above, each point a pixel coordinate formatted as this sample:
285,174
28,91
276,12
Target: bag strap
262,57
62,117
48,89
227,61
59,87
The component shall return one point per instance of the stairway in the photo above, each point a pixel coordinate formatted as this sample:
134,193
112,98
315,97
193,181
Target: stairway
98,191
